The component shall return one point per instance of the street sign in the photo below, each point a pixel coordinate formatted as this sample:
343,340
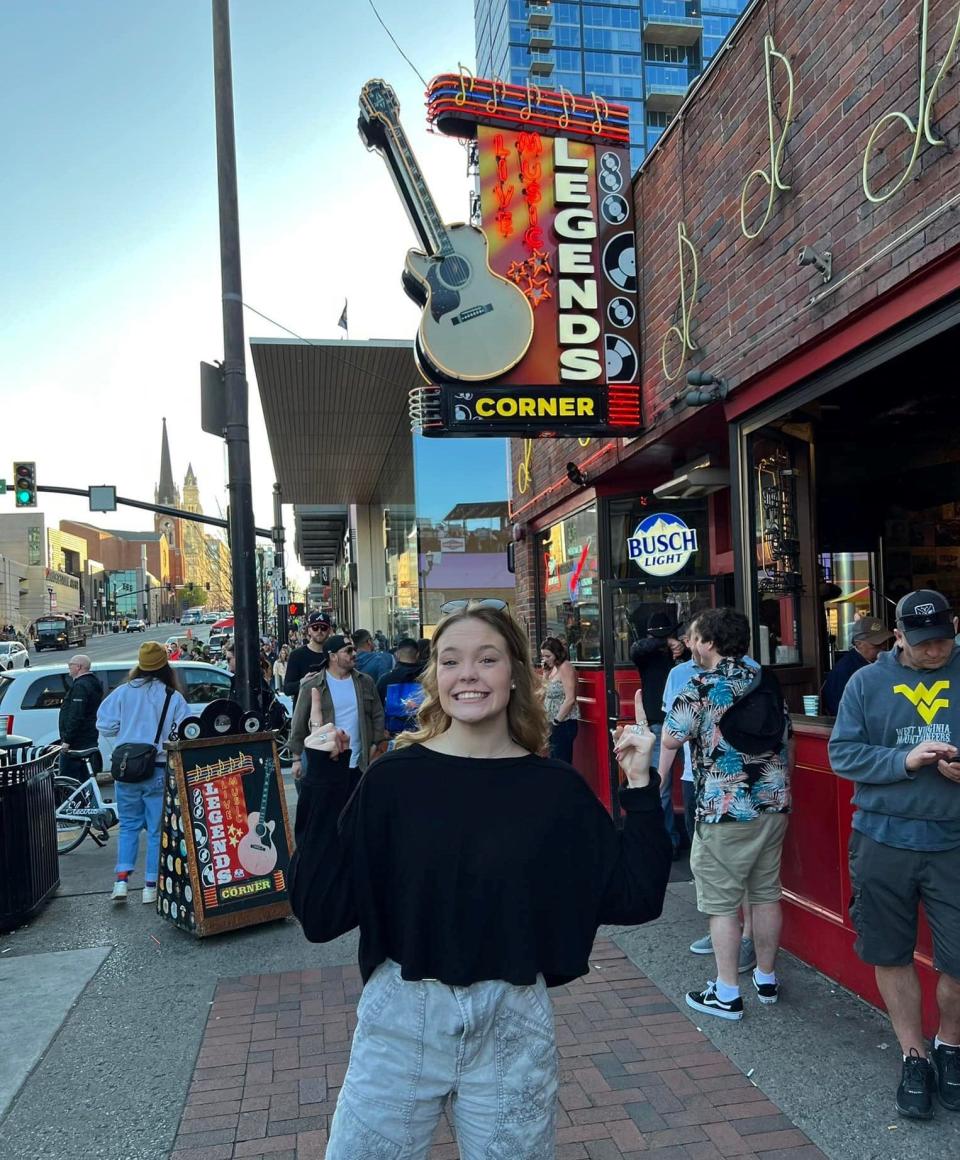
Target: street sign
283,596
3,487
103,498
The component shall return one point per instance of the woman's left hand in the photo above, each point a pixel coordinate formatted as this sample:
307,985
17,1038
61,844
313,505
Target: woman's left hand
633,747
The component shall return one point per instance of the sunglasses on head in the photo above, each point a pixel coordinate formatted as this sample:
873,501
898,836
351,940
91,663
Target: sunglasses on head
460,605
925,619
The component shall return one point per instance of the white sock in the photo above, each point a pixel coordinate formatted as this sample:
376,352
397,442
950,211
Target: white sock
938,1042
725,993
763,979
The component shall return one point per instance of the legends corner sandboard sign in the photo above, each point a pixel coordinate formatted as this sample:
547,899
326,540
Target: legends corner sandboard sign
225,843
529,325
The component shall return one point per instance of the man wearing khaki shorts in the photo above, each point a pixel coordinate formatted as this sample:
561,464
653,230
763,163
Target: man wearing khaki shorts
742,798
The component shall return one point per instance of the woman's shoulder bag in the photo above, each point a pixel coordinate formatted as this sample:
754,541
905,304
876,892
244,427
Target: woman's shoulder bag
134,761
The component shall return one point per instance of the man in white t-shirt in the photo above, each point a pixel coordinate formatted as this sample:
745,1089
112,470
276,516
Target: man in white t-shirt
349,700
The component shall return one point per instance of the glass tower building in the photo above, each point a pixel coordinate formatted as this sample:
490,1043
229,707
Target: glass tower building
643,53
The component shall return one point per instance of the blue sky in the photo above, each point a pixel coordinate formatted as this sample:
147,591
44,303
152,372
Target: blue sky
108,214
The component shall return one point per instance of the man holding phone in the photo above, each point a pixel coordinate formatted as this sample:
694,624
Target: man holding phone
896,736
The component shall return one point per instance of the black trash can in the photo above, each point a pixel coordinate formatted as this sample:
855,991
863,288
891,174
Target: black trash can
29,866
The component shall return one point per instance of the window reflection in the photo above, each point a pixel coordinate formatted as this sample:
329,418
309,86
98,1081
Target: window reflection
569,584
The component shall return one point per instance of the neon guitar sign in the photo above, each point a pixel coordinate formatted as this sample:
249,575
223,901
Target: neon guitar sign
476,325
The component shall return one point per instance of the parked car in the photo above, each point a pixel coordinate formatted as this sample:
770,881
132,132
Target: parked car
136,626
210,617
30,699
13,655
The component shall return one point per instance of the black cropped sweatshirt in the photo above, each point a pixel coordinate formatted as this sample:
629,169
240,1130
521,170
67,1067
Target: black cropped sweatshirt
466,869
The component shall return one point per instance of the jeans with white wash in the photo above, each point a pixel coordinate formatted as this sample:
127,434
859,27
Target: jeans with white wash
489,1047
140,807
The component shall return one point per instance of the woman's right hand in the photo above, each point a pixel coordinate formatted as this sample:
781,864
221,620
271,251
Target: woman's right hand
324,738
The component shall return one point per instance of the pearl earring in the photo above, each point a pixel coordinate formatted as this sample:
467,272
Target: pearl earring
513,686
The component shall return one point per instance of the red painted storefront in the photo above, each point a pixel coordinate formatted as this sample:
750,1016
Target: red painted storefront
827,380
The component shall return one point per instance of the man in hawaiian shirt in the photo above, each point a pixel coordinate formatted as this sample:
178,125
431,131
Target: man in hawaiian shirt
742,802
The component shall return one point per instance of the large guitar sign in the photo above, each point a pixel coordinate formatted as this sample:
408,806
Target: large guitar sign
476,325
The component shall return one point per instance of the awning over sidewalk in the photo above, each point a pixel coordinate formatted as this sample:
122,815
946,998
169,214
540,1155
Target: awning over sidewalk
336,417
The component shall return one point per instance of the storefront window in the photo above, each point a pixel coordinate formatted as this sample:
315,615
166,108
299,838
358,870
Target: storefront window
569,584
633,607
848,585
777,546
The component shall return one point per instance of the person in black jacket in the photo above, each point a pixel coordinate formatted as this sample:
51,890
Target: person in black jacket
655,654
78,718
478,873
310,657
868,638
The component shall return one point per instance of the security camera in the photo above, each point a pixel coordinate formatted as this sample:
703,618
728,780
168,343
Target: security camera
811,256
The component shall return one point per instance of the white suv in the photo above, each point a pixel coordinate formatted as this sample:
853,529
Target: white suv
30,699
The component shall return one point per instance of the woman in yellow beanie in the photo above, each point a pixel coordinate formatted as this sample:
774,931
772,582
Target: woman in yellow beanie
131,713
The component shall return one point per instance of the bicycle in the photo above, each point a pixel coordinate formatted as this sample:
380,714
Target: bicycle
80,807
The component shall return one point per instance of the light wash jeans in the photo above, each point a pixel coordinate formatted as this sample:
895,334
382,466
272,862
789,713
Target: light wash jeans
490,1047
140,807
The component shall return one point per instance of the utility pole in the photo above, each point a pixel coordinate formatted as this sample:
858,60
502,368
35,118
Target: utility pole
279,566
236,430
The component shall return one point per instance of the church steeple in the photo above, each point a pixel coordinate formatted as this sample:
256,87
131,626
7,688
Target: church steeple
167,492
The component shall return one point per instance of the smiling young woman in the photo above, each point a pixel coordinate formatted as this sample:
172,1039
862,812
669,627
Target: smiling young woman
478,873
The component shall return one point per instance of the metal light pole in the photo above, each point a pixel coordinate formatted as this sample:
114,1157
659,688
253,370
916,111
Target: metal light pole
236,430
283,626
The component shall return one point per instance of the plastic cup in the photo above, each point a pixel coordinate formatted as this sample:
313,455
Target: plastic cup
811,705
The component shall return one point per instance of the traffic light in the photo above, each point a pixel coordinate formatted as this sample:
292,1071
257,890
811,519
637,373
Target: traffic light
25,484
293,609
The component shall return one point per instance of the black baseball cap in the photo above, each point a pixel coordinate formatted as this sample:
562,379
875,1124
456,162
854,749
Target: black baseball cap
661,625
925,615
318,618
336,643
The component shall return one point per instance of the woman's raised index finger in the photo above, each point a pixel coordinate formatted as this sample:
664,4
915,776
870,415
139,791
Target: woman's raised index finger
639,713
315,702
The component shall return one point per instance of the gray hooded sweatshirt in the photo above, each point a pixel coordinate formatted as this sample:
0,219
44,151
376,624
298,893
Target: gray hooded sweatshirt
886,710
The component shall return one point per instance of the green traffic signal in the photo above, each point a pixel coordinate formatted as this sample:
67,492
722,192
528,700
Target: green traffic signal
25,484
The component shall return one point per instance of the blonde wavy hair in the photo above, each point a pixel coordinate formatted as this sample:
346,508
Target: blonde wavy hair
526,719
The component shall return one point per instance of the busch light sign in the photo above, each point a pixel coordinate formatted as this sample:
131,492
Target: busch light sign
662,544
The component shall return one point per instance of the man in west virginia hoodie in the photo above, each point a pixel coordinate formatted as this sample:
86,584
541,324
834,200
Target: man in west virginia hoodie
897,736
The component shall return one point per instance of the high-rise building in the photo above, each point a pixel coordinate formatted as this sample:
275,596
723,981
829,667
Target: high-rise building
642,53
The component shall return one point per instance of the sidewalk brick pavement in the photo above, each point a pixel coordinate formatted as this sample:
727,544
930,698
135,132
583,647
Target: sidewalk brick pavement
636,1075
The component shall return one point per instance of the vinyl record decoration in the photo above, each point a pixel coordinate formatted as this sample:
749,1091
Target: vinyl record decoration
251,722
190,728
220,718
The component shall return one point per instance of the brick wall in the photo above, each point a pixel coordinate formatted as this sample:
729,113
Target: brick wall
853,62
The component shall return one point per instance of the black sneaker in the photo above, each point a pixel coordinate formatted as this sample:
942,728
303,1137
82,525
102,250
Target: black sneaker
709,1002
947,1062
766,992
917,1083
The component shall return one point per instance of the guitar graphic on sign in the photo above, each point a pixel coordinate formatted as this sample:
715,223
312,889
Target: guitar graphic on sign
256,852
476,325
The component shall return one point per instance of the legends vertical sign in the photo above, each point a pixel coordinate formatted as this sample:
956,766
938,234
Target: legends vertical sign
557,217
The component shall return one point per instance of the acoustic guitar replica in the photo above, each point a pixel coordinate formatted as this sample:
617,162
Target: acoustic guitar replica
256,852
476,325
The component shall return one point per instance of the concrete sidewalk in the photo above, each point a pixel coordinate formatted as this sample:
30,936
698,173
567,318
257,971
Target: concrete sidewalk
116,1066
635,1074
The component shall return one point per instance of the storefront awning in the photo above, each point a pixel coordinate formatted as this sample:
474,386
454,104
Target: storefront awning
336,417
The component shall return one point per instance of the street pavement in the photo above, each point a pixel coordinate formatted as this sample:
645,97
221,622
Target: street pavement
114,646
104,1011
